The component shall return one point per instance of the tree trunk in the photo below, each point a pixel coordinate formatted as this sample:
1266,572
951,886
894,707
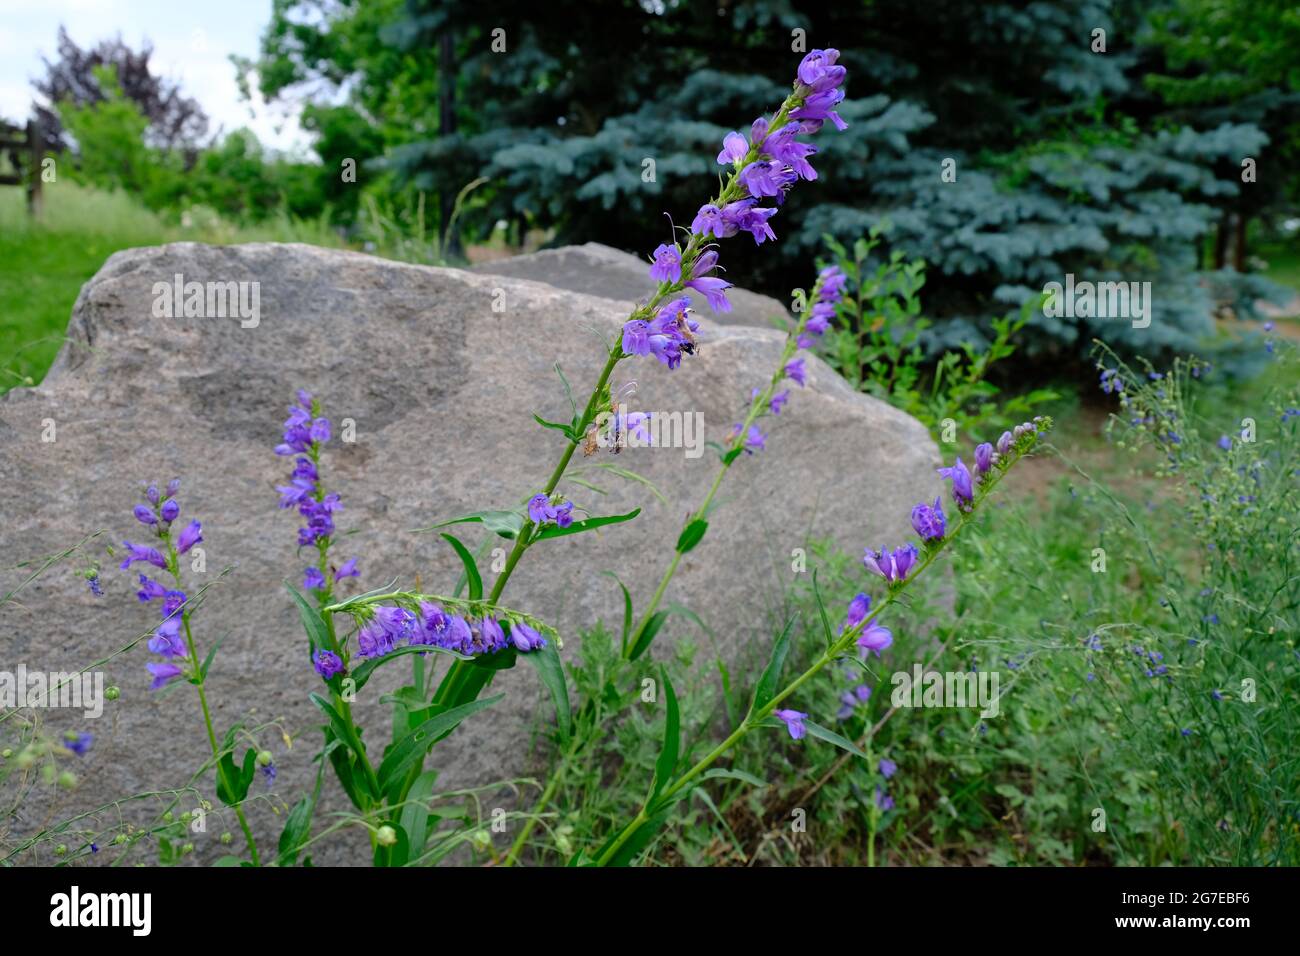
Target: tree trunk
1221,240
1239,244
447,127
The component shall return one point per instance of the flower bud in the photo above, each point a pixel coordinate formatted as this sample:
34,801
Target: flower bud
386,835
168,818
67,780
264,758
119,839
113,692
187,848
226,838
61,850
7,753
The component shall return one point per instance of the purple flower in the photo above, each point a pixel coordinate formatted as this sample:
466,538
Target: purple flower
1225,442
162,674
820,107
734,149
171,602
327,663
709,221
539,508
755,440
78,743
983,458
818,71
793,720
191,535
348,570
92,581
711,287
313,580
928,521
173,486
762,178
875,638
167,641
797,372
1004,443
170,511
149,590
884,802
784,148
268,774
778,401
489,638
962,489
144,515
667,266
892,567
525,638
397,621
887,767
139,552
858,608
151,493
374,640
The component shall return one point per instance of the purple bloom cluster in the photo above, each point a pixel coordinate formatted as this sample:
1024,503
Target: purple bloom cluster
831,289
393,627
873,637
158,514
305,431
541,510
668,336
78,743
850,699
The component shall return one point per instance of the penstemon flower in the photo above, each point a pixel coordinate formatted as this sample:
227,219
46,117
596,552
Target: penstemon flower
928,521
542,510
860,629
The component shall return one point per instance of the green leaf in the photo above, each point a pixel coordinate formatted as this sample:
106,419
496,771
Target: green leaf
408,751
639,840
727,774
648,634
731,455
627,608
668,754
415,815
546,661
362,673
471,569
398,853
567,428
691,535
587,524
507,524
296,827
568,391
767,683
632,476
317,633
821,609
207,661
831,737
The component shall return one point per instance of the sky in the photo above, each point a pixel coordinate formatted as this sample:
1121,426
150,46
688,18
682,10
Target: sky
192,42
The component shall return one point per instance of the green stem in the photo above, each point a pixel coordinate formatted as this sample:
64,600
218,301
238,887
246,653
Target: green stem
831,654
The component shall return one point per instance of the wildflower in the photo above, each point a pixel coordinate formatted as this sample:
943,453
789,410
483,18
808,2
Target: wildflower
778,401
139,552
190,535
884,802
170,510
734,149
711,287
963,492
92,581
541,511
874,638
374,640
525,638
892,567
1225,442
983,459
167,641
327,663
668,264
858,608
755,440
268,774
78,743
793,720
796,371
1218,694
163,674
348,570
1004,443
145,515
887,767
1111,382
313,580
928,521
488,636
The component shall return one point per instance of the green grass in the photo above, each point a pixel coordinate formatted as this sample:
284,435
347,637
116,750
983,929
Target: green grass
44,264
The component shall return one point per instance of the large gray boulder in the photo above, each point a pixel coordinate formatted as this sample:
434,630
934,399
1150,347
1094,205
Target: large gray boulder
610,273
441,388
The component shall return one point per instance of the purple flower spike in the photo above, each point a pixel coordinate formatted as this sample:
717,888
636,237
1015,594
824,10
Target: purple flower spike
793,720
327,663
928,521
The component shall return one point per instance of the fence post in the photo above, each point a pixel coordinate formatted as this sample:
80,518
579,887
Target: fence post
34,197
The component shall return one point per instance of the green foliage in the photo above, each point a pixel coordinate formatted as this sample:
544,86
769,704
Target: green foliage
878,344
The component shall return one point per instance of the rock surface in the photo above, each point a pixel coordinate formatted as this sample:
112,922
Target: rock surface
610,273
441,389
